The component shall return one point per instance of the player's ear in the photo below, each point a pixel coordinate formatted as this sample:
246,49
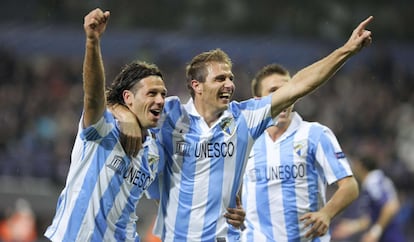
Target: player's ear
197,86
128,97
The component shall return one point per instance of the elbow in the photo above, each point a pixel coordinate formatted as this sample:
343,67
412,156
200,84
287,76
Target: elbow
394,206
355,189
356,193
350,185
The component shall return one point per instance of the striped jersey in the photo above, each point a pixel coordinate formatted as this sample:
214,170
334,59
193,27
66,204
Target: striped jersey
377,190
103,186
204,167
287,178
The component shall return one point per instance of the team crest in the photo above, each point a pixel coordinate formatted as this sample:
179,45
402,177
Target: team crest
300,148
228,125
152,159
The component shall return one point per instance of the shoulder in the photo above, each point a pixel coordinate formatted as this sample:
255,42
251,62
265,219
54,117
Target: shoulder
105,125
313,129
251,104
172,104
107,119
172,101
377,183
317,128
315,132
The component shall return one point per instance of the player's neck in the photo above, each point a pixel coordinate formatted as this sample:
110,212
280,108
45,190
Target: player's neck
208,112
276,131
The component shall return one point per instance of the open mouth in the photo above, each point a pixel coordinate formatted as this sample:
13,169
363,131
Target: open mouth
156,112
225,95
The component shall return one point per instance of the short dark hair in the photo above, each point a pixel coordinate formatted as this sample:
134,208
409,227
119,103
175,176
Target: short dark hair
368,162
128,77
197,68
265,72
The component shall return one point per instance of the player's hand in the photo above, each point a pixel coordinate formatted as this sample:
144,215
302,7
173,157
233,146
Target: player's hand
131,134
131,137
236,216
369,237
373,234
95,23
360,37
344,229
316,223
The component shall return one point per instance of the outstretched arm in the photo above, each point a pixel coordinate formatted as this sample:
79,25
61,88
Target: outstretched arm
93,70
313,76
319,221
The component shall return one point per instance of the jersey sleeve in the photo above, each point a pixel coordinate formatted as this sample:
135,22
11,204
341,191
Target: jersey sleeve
172,111
98,130
331,158
257,114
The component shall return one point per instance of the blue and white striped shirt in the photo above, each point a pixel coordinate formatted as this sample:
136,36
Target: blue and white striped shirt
204,167
103,186
287,178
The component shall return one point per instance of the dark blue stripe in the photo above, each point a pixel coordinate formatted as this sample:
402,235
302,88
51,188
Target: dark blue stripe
289,191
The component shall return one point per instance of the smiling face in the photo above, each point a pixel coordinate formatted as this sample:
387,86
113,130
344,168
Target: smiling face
270,84
146,100
218,88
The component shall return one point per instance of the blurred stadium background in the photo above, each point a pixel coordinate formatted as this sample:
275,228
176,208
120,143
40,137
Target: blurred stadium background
369,104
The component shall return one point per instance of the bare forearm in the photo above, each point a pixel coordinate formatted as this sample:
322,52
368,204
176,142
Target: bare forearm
309,79
388,212
313,76
122,113
93,82
93,70
347,192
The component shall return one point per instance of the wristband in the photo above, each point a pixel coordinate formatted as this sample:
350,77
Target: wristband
376,230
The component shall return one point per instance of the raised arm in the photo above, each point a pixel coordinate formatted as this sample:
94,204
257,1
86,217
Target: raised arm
93,70
313,76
